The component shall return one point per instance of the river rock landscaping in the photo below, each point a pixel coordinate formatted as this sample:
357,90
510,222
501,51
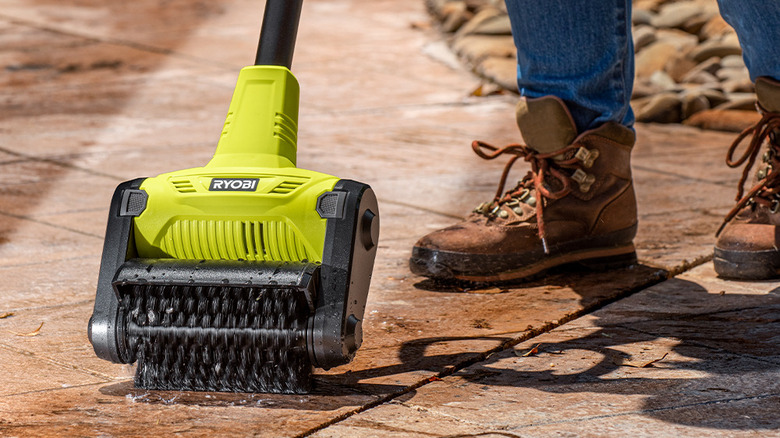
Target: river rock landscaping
689,66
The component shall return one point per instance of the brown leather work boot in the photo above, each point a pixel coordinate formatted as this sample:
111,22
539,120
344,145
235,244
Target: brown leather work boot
577,204
748,245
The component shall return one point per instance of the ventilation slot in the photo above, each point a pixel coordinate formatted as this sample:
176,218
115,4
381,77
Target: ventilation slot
286,187
235,240
228,122
286,130
183,186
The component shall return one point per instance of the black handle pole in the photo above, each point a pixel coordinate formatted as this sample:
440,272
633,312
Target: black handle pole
278,33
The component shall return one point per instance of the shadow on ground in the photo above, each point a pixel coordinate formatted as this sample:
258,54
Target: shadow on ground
714,356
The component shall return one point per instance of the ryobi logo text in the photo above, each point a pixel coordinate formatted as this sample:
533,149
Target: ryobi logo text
233,185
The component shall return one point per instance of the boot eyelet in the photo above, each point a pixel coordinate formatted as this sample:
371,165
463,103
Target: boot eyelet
775,206
584,180
523,195
588,157
503,214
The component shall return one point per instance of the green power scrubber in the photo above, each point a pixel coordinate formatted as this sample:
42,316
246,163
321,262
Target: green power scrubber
245,274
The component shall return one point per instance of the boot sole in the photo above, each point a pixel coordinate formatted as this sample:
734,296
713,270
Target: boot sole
747,265
601,259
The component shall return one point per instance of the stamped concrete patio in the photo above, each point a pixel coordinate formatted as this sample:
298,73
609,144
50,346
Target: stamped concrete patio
94,93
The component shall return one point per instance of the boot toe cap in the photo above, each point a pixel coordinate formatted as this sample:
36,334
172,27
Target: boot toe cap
748,252
746,237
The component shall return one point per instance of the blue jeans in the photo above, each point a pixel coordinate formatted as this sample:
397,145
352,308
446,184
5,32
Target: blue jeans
582,51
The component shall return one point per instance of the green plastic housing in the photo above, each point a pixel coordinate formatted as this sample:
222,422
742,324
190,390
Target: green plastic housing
271,215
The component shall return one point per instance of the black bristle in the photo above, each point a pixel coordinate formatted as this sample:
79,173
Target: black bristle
218,338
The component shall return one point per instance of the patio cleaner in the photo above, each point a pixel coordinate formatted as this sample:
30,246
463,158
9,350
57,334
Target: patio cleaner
246,273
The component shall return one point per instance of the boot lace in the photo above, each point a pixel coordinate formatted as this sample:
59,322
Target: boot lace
767,192
545,173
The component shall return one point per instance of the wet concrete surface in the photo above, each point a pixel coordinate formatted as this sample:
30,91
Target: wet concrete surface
95,93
